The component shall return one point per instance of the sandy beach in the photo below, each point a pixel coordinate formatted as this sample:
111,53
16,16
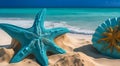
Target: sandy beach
80,52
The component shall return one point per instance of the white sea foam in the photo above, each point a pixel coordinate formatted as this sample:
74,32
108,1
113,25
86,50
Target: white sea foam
48,24
72,29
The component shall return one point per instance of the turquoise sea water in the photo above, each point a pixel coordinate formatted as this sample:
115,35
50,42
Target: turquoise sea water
77,19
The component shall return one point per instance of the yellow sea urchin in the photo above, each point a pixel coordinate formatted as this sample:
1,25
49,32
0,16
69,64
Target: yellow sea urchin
112,37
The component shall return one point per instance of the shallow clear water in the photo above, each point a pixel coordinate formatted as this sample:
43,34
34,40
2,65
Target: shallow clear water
81,20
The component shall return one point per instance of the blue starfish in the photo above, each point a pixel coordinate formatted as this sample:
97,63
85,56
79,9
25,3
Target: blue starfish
35,40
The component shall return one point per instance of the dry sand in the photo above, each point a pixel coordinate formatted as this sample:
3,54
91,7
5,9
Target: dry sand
80,52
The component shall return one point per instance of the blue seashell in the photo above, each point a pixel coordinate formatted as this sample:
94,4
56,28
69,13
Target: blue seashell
106,38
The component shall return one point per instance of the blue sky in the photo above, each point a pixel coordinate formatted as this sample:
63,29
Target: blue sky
59,3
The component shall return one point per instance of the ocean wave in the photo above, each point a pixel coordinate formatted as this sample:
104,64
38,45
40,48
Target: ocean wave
72,29
48,24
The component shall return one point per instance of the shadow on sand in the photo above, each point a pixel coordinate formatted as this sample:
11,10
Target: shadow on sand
5,46
90,51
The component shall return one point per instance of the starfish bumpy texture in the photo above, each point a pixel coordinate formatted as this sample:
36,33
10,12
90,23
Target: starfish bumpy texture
35,40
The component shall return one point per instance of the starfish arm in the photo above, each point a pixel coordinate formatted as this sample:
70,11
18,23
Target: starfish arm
39,22
55,32
41,58
11,29
16,32
40,53
56,49
24,52
53,47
